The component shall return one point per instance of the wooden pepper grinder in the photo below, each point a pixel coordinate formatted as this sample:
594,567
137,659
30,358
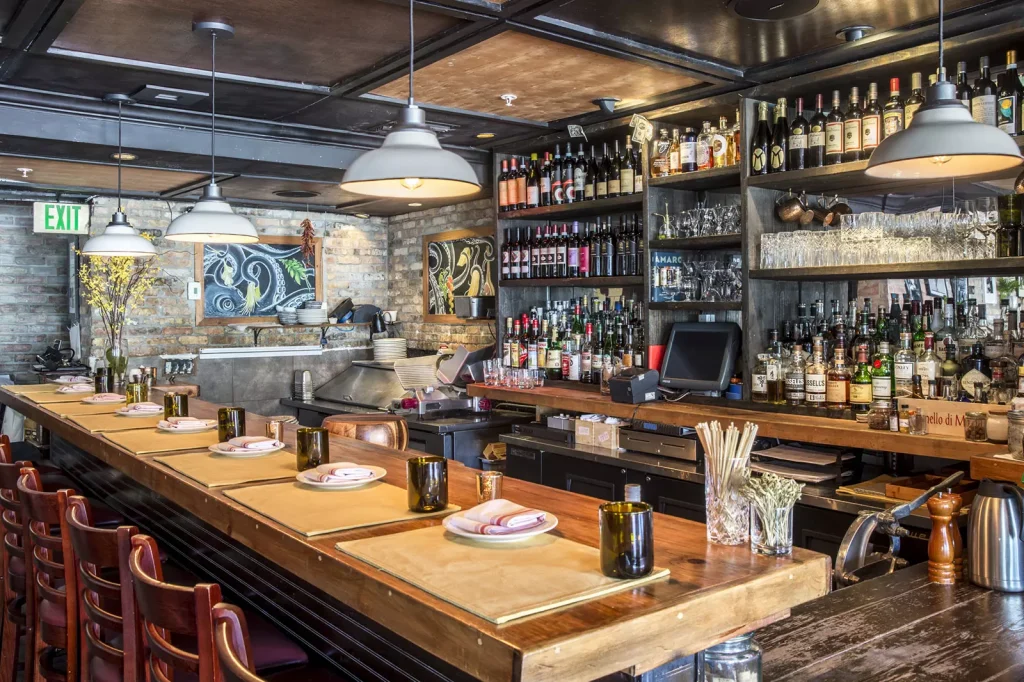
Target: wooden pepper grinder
954,533
940,544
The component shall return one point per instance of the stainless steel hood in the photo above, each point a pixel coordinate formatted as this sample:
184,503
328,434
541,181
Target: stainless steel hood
366,383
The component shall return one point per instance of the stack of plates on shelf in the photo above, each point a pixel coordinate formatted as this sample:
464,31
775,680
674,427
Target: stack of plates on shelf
390,349
308,315
287,316
302,385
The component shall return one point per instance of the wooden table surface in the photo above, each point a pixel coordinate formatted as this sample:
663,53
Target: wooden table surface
820,430
997,468
713,593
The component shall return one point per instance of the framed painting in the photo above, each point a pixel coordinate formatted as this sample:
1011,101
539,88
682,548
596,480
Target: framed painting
247,282
456,263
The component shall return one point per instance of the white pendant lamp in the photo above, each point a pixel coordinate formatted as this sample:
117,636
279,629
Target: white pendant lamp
211,219
410,164
943,140
119,238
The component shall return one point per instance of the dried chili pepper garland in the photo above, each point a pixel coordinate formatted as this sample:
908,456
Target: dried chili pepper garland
308,247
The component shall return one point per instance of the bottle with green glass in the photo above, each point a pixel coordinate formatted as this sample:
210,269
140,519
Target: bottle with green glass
881,373
881,326
554,364
861,383
917,328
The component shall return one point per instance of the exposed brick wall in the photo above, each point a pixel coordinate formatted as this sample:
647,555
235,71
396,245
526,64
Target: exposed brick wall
405,284
33,289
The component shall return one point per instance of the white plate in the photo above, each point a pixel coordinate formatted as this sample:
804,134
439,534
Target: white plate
243,455
208,427
550,521
93,401
378,473
125,413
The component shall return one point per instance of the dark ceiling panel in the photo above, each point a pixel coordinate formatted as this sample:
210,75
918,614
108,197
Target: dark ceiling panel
72,76
7,9
709,28
309,41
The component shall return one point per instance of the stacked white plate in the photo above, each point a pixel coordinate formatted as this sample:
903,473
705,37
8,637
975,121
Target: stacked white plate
311,316
390,349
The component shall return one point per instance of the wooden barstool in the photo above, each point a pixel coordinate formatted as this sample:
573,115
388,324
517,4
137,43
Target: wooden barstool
389,430
18,612
106,602
52,583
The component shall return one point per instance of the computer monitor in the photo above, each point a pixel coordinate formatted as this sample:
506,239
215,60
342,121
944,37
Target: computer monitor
700,356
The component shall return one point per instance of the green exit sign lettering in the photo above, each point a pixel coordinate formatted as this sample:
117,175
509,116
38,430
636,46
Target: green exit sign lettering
57,218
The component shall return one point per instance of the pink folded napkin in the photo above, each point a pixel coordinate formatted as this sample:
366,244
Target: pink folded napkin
498,517
106,398
148,408
76,388
185,423
250,444
340,472
73,379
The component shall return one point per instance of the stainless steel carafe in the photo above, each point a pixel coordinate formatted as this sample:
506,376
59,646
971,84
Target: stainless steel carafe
995,537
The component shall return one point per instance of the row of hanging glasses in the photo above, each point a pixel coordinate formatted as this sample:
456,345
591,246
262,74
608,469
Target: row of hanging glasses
701,221
711,279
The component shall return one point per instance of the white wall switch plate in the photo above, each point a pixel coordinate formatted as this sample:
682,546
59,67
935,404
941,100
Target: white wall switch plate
194,291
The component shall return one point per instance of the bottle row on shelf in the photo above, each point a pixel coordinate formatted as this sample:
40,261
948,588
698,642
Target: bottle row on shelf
689,151
588,249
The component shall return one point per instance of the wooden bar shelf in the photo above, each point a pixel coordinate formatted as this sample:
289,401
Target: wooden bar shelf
695,305
579,282
715,178
963,268
716,241
579,209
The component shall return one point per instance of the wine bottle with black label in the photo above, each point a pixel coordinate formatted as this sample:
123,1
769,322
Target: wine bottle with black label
853,133
780,139
834,132
871,123
816,135
760,142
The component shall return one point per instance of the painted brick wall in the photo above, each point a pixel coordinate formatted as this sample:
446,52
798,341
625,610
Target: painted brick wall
33,289
405,284
355,263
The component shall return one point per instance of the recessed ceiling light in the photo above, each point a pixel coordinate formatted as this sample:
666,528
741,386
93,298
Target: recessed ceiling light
484,136
24,171
852,33
415,203
123,156
361,215
296,193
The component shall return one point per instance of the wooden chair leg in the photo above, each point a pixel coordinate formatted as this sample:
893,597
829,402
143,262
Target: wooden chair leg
9,650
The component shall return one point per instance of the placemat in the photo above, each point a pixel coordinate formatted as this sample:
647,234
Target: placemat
214,471
314,512
151,441
73,409
497,582
115,422
20,389
43,398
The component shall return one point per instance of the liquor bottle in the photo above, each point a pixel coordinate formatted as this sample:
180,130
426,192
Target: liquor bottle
579,175
853,133
916,328
526,255
587,356
687,151
775,375
524,342
904,364
705,142
976,372
627,348
720,138
674,154
627,178
608,359
881,373
834,132
615,173
737,141
506,344
512,186
929,366
837,382
608,249
950,367
915,100
639,340
513,255
892,113
545,180
536,253
533,341
1008,114
514,344
815,157
759,380
569,177
603,168
638,171
964,92
584,251
506,256
554,355
780,134
573,251
983,97
503,186
659,155
590,182
557,191
798,139
795,379
521,185
760,142
562,253
861,383
532,184
621,249
571,362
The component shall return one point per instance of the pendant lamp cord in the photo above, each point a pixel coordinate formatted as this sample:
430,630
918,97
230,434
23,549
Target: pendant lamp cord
213,107
942,64
120,209
412,43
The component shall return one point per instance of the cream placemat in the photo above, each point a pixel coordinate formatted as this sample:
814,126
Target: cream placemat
115,422
151,441
43,398
21,389
73,409
315,512
213,470
497,582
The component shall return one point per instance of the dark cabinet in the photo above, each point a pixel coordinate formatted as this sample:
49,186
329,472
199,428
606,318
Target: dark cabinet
583,476
671,496
523,463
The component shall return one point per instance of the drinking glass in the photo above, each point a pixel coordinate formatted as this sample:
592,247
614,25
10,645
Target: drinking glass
490,372
427,483
275,429
627,539
136,392
175,405
488,485
538,377
312,447
230,423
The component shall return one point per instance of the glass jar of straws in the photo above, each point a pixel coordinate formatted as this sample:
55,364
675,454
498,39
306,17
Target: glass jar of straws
726,470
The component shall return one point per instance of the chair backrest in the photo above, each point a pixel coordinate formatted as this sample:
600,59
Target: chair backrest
389,430
167,611
106,606
51,574
231,636
10,514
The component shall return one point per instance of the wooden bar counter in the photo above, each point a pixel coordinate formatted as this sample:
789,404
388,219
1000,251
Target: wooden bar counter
713,593
820,430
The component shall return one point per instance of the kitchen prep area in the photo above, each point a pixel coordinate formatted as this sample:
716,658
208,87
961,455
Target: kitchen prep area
511,340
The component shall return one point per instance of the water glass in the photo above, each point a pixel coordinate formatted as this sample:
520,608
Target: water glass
312,447
490,372
627,539
136,392
275,429
230,423
175,405
488,485
427,483
771,530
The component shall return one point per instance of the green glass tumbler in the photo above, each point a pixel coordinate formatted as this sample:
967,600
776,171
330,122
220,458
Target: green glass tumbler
136,392
312,447
230,423
427,483
627,539
175,405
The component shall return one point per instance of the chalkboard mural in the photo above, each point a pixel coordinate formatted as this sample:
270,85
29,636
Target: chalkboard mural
456,263
247,282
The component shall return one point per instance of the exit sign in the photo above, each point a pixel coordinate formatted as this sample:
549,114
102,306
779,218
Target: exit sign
60,218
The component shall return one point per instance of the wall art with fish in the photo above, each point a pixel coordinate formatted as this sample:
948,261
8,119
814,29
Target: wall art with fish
249,282
456,263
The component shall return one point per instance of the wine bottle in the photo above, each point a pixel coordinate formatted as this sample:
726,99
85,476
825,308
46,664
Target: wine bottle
798,138
983,97
626,173
579,174
557,192
780,135
760,142
569,177
615,173
916,98
964,93
871,123
513,186
892,112
853,135
834,132
603,168
521,184
532,184
545,181
503,188
1008,114
816,135
590,183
